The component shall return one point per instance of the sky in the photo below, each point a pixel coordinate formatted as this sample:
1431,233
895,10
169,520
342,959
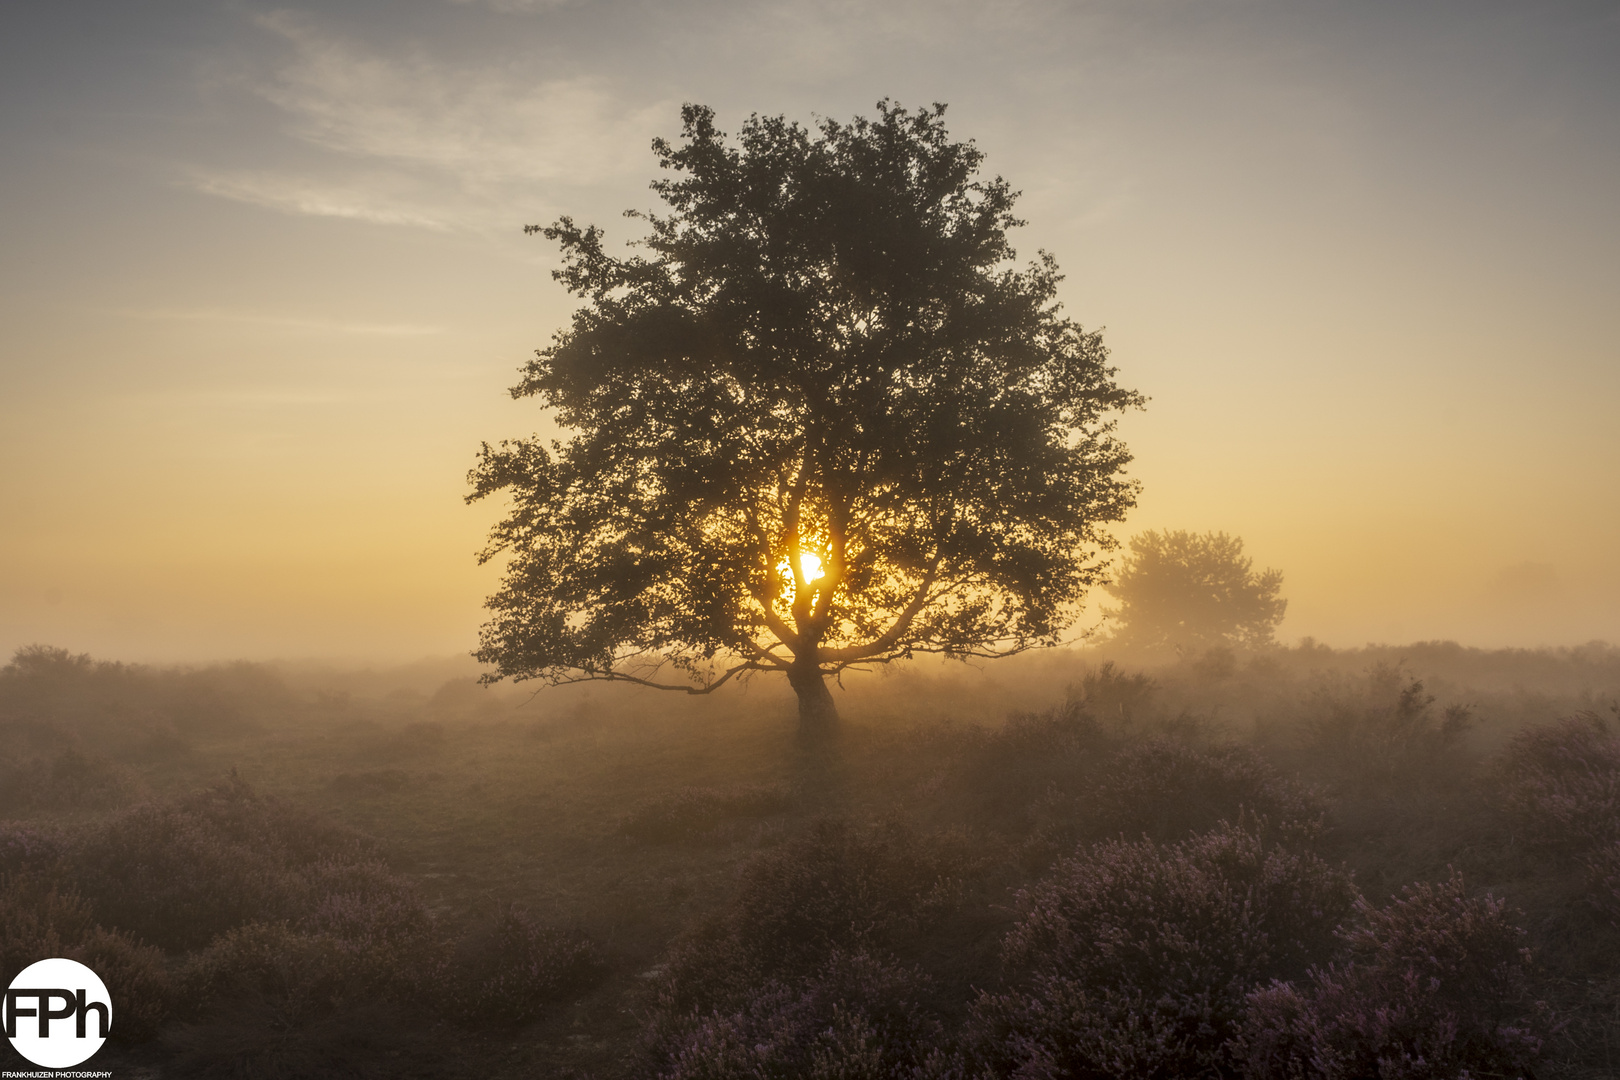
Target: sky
264,285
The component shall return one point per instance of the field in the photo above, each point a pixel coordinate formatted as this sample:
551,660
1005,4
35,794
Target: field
1287,863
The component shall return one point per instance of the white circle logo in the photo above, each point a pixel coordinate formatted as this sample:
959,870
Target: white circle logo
57,1013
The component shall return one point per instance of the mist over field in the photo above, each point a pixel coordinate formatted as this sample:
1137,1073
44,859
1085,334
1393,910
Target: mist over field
296,870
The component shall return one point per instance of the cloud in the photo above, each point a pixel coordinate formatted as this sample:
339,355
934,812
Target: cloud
283,322
415,141
515,7
363,201
482,127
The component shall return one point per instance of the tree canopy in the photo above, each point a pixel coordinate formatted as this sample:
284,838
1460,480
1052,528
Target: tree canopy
1191,592
819,418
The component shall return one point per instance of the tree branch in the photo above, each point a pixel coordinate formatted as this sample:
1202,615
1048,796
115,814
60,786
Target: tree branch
707,688
886,641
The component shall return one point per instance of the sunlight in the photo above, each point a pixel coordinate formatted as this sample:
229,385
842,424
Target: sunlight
809,565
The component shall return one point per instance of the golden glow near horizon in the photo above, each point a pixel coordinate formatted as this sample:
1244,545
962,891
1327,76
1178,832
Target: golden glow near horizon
237,407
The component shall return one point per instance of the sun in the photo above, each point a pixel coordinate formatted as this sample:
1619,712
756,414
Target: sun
809,566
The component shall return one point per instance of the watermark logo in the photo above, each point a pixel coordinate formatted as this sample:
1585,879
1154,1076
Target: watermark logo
57,1013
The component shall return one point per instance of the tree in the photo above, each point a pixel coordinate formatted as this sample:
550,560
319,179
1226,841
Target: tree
1193,592
823,421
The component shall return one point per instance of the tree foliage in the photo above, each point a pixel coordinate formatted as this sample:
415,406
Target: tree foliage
1190,592
821,419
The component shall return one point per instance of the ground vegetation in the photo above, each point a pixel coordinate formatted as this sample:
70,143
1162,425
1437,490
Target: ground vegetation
1306,867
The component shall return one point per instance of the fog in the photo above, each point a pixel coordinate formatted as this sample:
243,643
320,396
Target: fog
291,869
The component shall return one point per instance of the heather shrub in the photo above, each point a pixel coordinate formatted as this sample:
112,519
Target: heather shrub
1603,875
37,916
1134,958
178,873
695,814
854,1016
371,782
72,780
361,933
1001,777
1562,784
1386,729
135,977
302,973
1435,987
511,972
364,903
418,739
38,919
835,888
27,849
262,1038
840,886
1109,695
1165,788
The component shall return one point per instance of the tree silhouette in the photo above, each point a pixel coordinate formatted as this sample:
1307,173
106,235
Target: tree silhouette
1192,592
823,421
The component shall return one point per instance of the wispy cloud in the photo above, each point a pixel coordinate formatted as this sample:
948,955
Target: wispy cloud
360,201
515,7
436,141
281,322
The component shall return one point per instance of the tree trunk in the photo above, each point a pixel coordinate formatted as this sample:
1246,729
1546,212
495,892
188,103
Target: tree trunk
817,713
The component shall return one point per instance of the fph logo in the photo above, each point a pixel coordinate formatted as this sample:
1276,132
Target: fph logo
57,1013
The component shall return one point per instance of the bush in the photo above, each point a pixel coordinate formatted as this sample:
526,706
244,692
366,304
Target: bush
695,814
27,849
270,1001
1603,876
841,887
371,782
1435,987
38,919
72,780
835,889
1108,695
304,973
855,1016
1134,958
1002,776
510,974
1387,730
1165,788
1562,785
364,903
179,873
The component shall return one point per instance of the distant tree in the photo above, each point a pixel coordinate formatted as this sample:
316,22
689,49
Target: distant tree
824,421
1192,592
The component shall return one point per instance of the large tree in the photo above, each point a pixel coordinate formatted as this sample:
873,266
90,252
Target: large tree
821,420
